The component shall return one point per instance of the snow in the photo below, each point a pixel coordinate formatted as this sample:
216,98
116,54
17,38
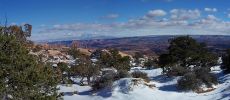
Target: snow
126,85
124,89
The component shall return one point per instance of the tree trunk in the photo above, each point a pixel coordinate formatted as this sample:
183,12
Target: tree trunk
81,81
88,80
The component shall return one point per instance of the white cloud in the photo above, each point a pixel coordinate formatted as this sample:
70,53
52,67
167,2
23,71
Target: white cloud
180,22
212,25
211,17
209,20
228,15
182,14
210,9
111,16
156,13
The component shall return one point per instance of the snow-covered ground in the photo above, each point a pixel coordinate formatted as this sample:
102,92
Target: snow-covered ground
165,89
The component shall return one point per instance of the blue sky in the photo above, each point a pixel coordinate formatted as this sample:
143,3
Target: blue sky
72,19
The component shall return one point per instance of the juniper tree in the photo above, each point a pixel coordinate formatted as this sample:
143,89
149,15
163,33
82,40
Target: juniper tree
123,63
112,58
20,32
22,76
226,62
185,52
85,68
74,52
189,59
65,71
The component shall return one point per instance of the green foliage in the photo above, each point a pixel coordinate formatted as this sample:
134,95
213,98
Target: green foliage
122,74
136,57
106,81
177,71
73,51
184,51
165,62
150,63
19,32
207,78
85,68
194,80
64,71
22,77
104,59
112,58
63,67
189,82
226,62
123,63
191,60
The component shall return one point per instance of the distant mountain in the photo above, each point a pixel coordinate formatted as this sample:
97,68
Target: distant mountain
80,37
94,36
150,45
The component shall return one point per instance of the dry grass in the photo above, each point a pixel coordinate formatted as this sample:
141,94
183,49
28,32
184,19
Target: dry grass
204,91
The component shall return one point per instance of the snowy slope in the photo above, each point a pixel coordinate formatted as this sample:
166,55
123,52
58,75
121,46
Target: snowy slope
165,89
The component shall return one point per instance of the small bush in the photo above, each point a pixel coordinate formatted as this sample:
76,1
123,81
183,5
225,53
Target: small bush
207,78
122,74
194,80
177,71
102,83
105,81
139,74
149,64
189,82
